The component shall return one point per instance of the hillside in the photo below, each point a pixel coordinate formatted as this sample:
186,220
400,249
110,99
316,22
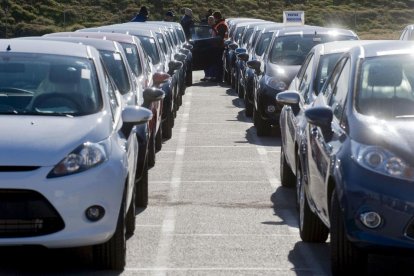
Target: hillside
381,19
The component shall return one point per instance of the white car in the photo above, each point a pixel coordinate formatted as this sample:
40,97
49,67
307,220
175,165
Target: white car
67,153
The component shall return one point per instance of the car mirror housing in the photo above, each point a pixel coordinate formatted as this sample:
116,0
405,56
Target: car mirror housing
188,46
243,56
321,117
240,50
288,98
134,115
254,64
180,57
159,77
173,66
151,95
233,46
185,51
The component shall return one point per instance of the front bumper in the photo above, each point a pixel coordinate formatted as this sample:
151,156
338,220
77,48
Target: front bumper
267,107
70,196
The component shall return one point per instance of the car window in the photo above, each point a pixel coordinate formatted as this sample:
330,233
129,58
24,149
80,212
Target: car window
386,87
304,66
404,35
110,90
247,35
116,68
132,56
340,91
151,48
48,85
180,33
200,32
306,81
328,88
262,43
325,67
162,43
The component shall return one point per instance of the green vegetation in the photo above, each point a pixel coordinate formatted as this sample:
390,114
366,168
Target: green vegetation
379,19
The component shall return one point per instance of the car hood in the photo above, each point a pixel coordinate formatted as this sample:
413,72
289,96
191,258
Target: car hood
46,140
395,135
284,73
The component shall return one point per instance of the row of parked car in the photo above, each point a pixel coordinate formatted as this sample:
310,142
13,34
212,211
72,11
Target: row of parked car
83,114
345,109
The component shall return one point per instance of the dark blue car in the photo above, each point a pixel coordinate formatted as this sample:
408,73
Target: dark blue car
357,162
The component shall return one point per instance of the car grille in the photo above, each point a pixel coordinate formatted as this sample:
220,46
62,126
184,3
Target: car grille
17,168
25,213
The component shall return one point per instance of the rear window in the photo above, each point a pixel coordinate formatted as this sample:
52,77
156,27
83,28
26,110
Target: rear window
292,49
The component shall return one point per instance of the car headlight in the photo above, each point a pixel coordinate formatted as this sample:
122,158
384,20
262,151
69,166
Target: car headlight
275,83
84,157
382,161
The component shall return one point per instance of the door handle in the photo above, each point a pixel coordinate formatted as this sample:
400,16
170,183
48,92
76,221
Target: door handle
314,132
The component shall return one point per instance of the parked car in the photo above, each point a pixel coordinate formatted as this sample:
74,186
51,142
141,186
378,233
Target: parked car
149,135
68,136
300,95
407,33
281,62
357,163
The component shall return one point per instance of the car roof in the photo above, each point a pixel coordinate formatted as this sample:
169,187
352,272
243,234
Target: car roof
45,47
100,44
123,38
307,30
339,46
384,48
409,27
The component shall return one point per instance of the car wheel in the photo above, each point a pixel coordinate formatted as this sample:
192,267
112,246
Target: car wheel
158,140
287,178
346,259
130,217
248,110
262,127
311,228
151,152
189,77
299,182
141,189
112,254
167,126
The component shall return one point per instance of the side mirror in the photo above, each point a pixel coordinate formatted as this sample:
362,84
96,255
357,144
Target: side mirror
185,51
173,66
321,117
254,64
227,43
134,115
151,95
240,50
180,57
188,46
243,56
288,98
159,77
233,46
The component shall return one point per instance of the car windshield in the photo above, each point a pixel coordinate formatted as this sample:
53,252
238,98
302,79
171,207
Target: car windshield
162,43
238,34
180,33
45,84
386,87
133,58
116,67
151,48
292,49
325,67
247,35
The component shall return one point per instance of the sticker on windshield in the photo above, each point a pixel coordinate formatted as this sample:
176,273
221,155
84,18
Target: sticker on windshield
152,41
86,74
128,50
317,39
117,56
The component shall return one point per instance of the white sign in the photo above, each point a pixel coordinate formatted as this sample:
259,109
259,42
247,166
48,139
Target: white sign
294,17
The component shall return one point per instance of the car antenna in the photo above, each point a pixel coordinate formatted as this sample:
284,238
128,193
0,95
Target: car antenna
8,48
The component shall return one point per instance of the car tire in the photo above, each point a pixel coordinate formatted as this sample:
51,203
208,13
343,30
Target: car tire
311,228
130,217
167,126
151,152
287,178
189,77
158,140
141,189
248,107
346,259
262,127
112,254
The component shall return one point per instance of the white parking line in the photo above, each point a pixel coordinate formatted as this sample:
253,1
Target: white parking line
164,270
168,224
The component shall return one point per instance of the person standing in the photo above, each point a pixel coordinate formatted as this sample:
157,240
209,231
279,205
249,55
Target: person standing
169,16
222,31
210,71
187,22
142,15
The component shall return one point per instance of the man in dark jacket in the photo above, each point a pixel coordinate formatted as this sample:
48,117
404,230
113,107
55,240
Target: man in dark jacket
142,16
187,22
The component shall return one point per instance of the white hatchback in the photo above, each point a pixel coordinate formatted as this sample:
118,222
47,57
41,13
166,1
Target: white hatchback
67,156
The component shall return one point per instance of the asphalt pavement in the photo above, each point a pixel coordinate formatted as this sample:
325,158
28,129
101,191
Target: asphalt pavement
216,206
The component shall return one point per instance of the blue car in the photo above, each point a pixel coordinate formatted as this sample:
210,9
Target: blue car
357,162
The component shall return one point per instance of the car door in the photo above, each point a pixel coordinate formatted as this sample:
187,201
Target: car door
324,145
205,46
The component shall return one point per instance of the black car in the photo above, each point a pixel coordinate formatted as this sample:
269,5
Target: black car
281,62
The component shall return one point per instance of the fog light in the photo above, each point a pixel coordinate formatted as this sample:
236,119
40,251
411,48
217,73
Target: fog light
95,213
370,219
271,108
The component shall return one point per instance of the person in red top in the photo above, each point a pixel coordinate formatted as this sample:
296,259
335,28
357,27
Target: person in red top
222,31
